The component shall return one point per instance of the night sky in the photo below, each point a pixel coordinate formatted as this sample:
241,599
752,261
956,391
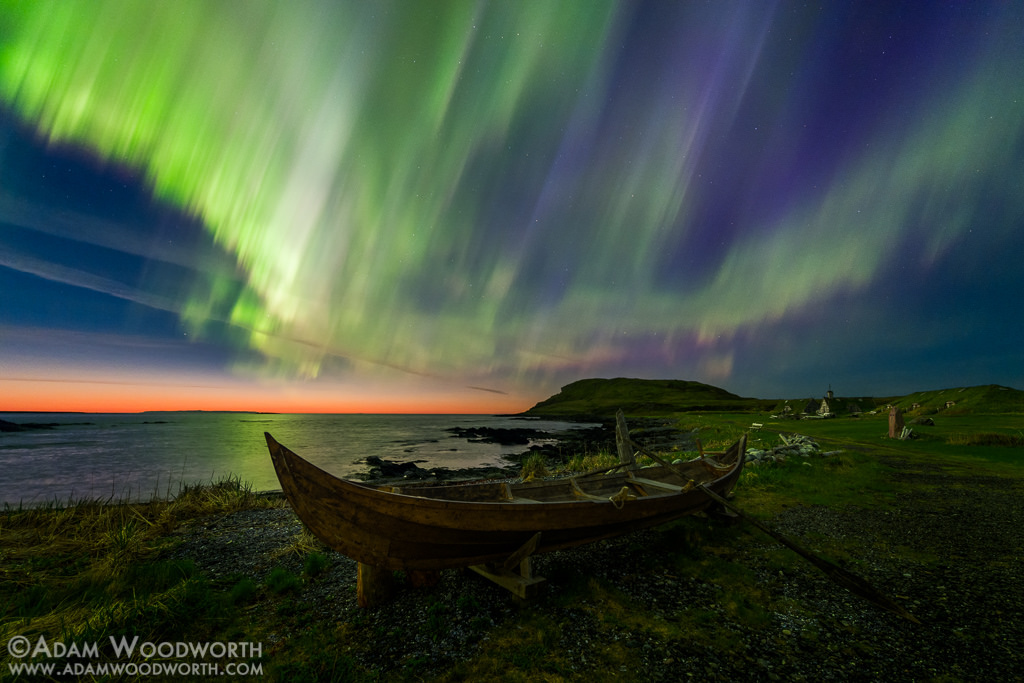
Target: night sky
461,206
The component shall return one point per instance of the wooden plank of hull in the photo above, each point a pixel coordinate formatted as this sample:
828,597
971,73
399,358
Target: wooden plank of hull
399,531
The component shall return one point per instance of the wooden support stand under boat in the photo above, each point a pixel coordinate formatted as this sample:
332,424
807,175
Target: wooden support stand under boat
494,528
374,585
522,582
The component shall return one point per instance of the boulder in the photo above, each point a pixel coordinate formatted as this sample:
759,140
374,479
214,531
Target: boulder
388,469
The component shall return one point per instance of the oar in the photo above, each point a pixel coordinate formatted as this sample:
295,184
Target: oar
842,577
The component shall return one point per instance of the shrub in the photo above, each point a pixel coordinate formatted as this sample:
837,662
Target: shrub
281,580
534,466
243,591
316,563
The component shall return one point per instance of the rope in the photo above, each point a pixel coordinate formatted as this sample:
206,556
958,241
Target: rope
620,498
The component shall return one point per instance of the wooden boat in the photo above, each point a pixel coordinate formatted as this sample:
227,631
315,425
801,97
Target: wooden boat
424,528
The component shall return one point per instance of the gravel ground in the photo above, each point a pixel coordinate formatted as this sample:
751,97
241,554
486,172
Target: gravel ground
952,554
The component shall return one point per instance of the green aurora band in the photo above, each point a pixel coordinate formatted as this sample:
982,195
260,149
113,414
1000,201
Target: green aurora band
356,158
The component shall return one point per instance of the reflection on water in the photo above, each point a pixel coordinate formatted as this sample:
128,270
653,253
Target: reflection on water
137,456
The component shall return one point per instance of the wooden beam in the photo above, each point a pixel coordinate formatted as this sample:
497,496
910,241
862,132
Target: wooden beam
625,447
523,553
374,585
524,587
580,493
524,584
660,485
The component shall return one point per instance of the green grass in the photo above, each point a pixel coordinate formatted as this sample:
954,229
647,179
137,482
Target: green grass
281,580
987,439
534,467
313,657
990,399
993,438
88,570
586,462
243,592
315,564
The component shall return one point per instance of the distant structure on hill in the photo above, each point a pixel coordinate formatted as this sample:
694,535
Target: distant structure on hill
830,406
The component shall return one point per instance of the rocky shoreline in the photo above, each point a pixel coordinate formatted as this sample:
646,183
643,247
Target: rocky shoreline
555,447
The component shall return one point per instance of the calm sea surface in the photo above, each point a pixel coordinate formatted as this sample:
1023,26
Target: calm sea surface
134,456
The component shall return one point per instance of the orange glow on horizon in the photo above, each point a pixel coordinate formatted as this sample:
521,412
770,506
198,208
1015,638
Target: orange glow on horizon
103,396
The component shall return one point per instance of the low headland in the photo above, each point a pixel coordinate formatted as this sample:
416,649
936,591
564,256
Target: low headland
932,520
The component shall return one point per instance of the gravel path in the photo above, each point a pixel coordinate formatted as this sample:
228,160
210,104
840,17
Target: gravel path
952,555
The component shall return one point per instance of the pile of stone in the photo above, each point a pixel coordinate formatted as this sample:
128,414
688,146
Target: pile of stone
793,446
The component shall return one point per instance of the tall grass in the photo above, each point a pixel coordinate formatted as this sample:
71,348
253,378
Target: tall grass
714,433
848,478
91,568
986,439
534,467
585,462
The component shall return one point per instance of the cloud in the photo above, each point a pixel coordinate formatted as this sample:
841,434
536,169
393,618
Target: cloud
80,278
78,226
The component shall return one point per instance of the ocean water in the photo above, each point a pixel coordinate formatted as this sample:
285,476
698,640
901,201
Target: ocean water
137,456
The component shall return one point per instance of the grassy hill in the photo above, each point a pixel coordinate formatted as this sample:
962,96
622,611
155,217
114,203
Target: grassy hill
989,398
644,397
600,398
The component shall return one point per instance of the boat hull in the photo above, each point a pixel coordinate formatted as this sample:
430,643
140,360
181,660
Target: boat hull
399,531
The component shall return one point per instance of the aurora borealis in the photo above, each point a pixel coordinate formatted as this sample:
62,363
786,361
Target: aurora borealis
454,205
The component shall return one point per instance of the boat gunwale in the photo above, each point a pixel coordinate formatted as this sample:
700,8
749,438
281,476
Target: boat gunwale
404,499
